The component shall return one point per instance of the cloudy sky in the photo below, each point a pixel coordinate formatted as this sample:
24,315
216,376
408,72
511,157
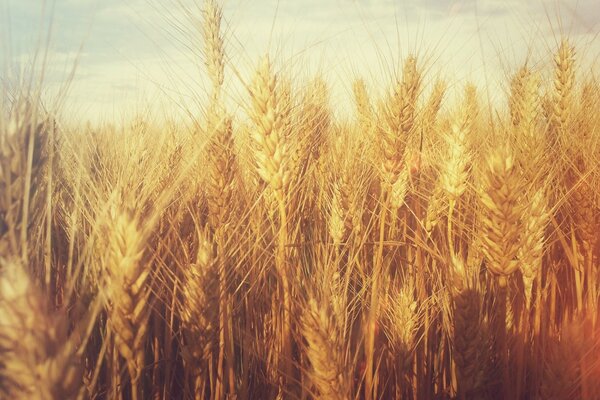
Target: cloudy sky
133,54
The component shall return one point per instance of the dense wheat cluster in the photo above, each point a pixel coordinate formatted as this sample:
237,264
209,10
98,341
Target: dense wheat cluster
432,245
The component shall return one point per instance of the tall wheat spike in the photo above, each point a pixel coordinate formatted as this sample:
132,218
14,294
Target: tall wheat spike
500,215
221,153
198,310
564,78
23,155
222,172
39,359
214,46
403,317
531,143
394,130
434,104
329,372
364,109
315,116
398,120
221,183
501,219
518,92
454,175
469,337
271,153
531,250
128,295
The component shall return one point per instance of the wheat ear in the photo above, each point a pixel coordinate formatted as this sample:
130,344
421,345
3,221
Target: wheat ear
272,162
535,218
500,215
328,373
398,121
199,311
23,154
128,294
564,79
38,359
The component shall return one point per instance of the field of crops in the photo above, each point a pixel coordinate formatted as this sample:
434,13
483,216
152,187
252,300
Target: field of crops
431,246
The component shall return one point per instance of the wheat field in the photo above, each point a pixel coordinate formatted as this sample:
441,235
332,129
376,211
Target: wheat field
432,245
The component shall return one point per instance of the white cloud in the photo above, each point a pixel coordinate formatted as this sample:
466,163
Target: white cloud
135,45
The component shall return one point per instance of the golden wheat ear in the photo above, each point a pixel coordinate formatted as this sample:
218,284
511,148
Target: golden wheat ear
322,332
531,249
564,80
222,167
469,336
501,214
38,358
364,108
470,342
23,156
402,316
270,148
271,154
398,120
128,293
455,170
199,311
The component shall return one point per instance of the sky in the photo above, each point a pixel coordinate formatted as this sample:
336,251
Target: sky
132,56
